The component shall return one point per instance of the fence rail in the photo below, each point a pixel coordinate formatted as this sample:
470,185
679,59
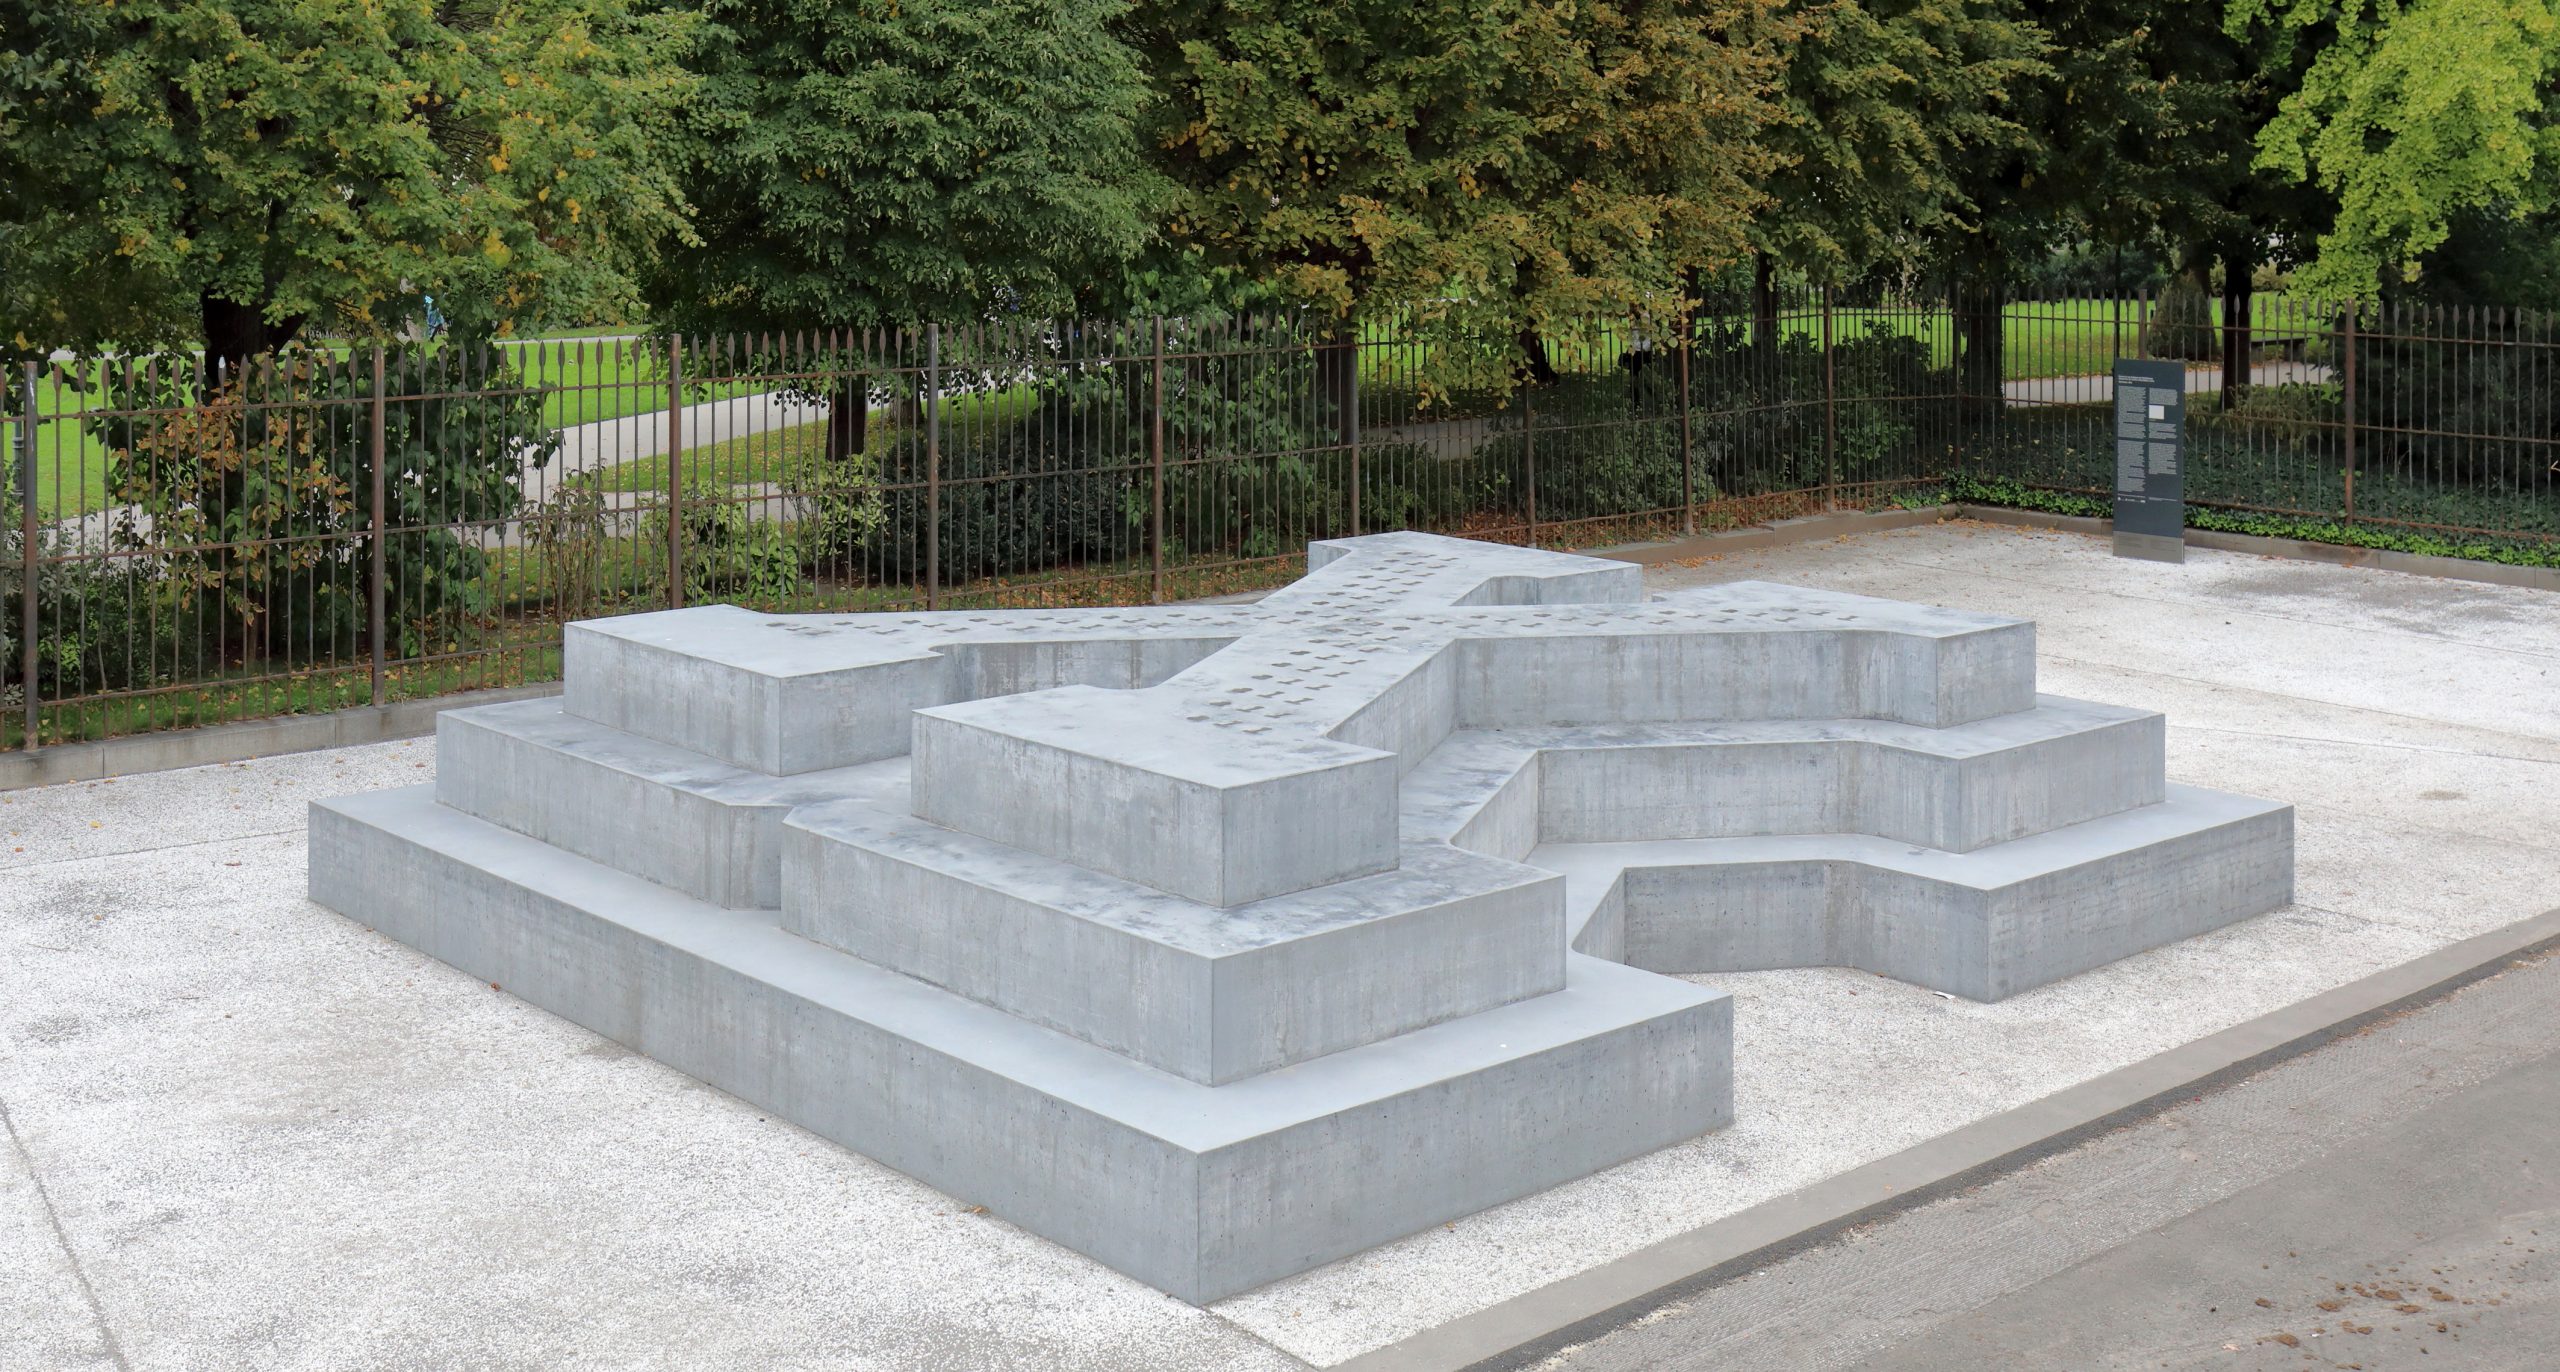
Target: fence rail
190,543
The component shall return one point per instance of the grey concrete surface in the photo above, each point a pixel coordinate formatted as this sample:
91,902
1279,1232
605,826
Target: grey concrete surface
1204,876
2390,1200
355,1155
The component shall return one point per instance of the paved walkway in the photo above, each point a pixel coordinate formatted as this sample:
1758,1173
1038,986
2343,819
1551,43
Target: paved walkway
2098,388
2389,1201
584,448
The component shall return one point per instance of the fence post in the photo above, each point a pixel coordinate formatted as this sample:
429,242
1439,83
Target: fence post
377,615
675,472
1353,404
933,466
26,446
1529,458
2350,405
1830,406
1155,460
1688,464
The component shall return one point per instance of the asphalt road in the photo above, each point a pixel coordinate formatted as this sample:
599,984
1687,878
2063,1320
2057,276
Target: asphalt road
2389,1201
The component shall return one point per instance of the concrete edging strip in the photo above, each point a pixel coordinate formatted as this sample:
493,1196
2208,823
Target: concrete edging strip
254,738
1537,1324
2298,550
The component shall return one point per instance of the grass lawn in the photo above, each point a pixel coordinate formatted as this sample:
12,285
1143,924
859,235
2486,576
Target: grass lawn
775,454
587,381
2044,338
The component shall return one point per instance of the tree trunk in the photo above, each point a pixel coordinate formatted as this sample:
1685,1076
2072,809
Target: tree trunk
1338,384
1764,309
1981,344
1538,367
234,333
2237,292
849,419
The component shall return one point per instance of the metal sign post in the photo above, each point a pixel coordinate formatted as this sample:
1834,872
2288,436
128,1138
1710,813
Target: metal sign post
2151,504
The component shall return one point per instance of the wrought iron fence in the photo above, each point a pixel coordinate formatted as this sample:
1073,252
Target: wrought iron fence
188,543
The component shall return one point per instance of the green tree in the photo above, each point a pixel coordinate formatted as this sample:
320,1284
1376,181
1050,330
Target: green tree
2141,124
2414,114
227,172
1886,102
1509,165
859,163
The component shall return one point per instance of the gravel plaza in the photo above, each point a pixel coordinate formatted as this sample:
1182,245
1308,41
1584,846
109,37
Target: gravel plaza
245,1131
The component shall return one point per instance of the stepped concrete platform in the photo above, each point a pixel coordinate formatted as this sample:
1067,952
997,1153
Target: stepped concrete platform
1201,1191
1219,942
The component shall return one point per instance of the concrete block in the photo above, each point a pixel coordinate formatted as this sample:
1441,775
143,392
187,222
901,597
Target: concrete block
1956,789
724,682
1984,925
1213,994
1726,653
1106,780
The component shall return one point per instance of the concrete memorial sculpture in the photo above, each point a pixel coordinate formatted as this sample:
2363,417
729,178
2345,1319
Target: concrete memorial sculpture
1218,942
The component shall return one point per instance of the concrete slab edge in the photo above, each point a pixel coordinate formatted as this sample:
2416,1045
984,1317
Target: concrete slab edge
2334,554
1775,534
117,757
1537,1324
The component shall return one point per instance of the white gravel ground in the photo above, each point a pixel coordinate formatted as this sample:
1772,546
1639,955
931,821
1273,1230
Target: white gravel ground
244,1132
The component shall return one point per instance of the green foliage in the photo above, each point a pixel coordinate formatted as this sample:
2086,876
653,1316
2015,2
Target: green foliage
95,626
2461,408
1410,486
2010,492
2412,113
861,162
1885,101
259,486
574,531
1519,164
835,502
728,555
2182,321
224,171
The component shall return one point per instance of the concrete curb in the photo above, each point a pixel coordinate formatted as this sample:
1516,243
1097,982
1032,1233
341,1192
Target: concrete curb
2336,555
1775,534
1540,1323
116,757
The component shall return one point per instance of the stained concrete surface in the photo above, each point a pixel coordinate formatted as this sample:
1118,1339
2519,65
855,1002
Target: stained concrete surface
2391,1200
273,1139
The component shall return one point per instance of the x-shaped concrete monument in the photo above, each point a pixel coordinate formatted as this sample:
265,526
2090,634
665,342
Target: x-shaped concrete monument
1221,941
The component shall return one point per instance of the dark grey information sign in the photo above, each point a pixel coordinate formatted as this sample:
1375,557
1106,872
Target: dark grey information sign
2151,499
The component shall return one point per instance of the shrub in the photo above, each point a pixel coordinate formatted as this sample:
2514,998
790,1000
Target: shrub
255,492
2182,321
728,554
97,624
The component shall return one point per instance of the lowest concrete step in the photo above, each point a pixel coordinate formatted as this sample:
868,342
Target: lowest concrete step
1202,1191
1984,925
